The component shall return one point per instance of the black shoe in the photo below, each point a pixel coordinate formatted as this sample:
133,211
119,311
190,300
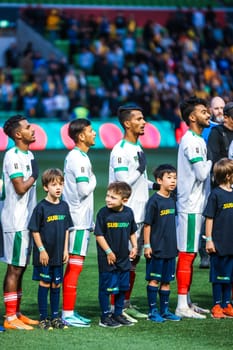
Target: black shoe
205,263
123,320
46,325
58,324
109,321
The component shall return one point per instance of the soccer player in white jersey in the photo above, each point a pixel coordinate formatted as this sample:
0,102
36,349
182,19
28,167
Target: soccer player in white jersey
79,186
128,163
193,187
20,172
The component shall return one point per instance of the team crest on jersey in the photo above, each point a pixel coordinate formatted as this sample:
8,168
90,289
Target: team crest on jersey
82,169
197,150
119,160
16,166
28,167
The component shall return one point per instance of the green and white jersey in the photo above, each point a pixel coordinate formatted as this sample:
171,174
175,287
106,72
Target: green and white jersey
123,167
193,174
79,186
17,209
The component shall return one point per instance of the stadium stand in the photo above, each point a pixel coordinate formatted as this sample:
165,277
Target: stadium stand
170,59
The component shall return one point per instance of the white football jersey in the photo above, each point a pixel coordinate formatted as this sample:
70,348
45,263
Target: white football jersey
17,209
79,186
193,174
123,167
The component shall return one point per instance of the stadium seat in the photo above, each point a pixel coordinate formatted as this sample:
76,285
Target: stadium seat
17,74
94,81
63,46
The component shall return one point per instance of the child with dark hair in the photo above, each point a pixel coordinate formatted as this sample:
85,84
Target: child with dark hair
160,246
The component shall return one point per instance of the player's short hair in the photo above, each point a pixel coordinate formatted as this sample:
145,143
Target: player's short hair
121,188
163,169
76,127
228,109
51,175
187,107
222,169
124,112
12,124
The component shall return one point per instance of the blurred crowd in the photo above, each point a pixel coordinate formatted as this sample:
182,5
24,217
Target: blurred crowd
155,66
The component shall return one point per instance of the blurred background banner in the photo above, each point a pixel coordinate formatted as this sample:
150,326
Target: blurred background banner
54,135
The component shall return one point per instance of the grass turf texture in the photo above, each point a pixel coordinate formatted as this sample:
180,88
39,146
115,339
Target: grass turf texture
191,334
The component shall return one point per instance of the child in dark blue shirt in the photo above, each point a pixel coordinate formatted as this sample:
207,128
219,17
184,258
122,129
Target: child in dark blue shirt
49,225
160,246
115,227
219,242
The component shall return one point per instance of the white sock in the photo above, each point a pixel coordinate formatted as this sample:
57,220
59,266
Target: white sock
11,318
67,313
182,302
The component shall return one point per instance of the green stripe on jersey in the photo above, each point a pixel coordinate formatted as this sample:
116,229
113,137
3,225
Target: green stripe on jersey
78,241
196,160
121,168
13,176
191,232
82,179
17,248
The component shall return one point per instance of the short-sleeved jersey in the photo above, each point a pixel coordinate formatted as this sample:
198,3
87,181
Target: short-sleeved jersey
161,216
116,227
78,176
122,167
51,221
220,208
17,209
192,192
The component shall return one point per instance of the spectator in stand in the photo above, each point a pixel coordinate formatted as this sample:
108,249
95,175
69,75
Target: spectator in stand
53,21
7,94
86,59
12,55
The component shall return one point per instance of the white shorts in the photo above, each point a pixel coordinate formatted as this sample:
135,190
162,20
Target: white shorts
188,232
78,242
17,248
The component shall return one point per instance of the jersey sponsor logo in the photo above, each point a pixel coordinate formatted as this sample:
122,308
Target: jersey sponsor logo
82,169
167,212
117,224
16,166
227,205
197,150
119,160
28,168
55,218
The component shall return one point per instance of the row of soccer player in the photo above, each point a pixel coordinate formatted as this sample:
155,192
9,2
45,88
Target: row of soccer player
61,228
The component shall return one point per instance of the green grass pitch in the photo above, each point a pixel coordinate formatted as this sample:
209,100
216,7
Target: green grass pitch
187,334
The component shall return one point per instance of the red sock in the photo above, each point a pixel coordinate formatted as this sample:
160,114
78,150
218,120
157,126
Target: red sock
19,297
70,281
112,299
10,301
131,284
128,293
184,271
